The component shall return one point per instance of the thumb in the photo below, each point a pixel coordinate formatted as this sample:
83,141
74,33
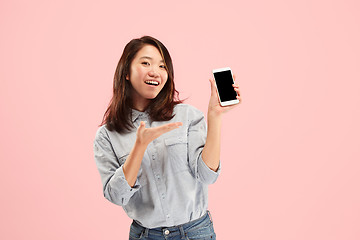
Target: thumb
213,86
142,125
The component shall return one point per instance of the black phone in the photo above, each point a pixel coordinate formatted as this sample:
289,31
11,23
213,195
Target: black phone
224,81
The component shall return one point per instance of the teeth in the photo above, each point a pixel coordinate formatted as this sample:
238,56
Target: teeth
152,82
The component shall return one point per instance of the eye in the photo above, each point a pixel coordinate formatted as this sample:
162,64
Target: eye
145,63
163,66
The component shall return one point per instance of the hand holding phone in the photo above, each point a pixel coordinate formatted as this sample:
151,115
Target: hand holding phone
224,85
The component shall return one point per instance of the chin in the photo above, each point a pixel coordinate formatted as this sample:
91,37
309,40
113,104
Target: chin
152,96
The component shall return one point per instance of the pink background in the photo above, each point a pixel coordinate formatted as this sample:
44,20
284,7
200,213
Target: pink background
290,152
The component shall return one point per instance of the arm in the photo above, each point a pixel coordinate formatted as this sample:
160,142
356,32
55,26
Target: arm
119,181
211,152
132,164
115,187
144,136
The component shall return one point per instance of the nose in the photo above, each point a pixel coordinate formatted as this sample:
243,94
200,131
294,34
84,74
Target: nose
154,74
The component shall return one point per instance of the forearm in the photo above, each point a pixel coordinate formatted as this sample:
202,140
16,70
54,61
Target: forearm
133,162
211,151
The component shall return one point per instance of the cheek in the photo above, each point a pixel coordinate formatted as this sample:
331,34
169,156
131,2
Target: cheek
164,76
137,71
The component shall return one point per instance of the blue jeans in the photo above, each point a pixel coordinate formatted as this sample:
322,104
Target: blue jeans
199,229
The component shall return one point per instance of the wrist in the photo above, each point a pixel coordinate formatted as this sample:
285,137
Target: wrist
214,115
141,145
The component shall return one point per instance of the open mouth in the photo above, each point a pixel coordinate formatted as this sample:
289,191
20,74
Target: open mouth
153,83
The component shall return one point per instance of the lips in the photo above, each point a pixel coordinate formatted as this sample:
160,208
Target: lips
152,82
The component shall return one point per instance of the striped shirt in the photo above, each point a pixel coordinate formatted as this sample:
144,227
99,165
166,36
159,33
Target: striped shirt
172,183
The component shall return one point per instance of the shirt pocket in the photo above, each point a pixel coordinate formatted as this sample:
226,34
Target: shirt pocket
122,159
176,147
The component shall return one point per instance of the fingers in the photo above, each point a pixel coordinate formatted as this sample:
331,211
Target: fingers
239,98
167,127
178,124
147,135
237,91
170,126
237,88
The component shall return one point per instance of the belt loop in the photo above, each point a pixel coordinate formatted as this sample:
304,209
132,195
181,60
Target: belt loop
209,215
146,232
182,232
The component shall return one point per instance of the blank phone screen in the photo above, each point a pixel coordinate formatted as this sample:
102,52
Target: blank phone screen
224,84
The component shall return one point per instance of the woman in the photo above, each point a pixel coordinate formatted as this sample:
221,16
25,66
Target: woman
155,155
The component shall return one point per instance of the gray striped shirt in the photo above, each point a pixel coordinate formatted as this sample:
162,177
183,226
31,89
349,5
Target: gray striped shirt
172,183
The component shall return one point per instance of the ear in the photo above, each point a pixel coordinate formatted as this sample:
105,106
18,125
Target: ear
127,77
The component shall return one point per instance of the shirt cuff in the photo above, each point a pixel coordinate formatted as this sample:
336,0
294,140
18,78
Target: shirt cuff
123,191
206,174
126,186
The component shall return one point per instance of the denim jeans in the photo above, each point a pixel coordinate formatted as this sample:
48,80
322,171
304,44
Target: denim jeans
199,229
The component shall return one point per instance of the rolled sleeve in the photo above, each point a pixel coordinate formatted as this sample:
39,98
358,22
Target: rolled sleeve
196,141
207,175
115,187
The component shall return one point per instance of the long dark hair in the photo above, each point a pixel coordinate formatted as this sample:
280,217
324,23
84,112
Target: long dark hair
118,114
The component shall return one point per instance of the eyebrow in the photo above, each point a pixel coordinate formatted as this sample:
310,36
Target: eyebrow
150,58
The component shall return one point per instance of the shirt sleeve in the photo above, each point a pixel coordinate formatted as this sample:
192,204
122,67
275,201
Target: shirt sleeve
196,141
115,187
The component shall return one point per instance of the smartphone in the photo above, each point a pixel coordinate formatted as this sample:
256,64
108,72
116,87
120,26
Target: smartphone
224,81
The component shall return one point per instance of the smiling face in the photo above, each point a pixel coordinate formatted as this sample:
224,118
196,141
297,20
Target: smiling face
148,76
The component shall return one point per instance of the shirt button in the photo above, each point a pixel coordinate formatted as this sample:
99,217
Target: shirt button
153,157
166,232
168,216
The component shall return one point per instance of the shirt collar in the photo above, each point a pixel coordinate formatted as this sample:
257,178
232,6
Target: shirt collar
135,114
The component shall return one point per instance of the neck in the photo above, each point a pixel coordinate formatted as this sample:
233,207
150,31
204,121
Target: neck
140,105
